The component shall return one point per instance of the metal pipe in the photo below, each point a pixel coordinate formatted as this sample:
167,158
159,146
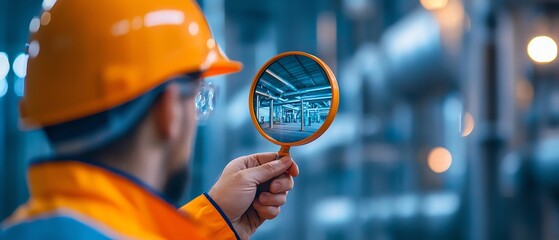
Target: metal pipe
310,97
265,95
269,96
319,109
306,90
313,96
271,86
281,80
317,99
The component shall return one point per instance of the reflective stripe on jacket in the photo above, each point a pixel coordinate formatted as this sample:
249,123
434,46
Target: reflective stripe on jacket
85,200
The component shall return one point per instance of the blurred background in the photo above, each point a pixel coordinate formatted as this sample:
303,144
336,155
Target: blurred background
448,126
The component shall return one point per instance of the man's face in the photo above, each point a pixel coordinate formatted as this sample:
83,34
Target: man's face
181,149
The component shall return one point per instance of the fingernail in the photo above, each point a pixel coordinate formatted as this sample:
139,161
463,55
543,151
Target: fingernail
275,187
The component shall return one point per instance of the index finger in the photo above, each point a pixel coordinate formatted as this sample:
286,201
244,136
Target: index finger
258,159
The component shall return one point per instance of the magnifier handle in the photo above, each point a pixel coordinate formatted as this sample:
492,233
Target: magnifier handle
265,186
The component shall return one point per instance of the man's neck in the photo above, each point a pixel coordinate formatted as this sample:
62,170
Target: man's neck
147,166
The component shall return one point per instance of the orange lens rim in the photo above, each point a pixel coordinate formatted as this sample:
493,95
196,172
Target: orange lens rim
333,107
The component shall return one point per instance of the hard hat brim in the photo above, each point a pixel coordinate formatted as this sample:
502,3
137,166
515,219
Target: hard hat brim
218,68
223,67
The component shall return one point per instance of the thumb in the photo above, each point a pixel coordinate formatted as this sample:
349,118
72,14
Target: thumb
269,170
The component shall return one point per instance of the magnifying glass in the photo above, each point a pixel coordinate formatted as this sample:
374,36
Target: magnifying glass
293,99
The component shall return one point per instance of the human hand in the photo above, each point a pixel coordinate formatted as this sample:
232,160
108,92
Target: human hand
235,190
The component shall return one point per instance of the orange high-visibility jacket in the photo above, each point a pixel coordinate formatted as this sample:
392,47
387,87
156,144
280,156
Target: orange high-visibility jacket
84,200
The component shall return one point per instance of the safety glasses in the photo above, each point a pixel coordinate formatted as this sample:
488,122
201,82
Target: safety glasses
205,102
205,96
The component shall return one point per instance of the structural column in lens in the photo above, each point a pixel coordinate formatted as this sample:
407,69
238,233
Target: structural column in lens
302,116
292,116
271,113
257,108
281,114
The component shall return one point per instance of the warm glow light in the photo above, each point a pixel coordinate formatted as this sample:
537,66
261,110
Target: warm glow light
542,49
452,21
468,124
434,4
439,160
45,18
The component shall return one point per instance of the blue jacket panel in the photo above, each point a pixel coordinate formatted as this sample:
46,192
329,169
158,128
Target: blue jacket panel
55,228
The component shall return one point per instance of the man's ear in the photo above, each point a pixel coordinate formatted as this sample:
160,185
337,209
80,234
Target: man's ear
168,113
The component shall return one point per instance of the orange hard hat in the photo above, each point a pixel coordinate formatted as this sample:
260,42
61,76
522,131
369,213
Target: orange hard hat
91,56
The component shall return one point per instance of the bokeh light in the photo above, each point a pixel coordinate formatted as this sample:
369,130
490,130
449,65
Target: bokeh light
3,87
20,65
542,49
439,160
468,124
48,4
434,4
45,18
19,87
34,25
4,65
34,49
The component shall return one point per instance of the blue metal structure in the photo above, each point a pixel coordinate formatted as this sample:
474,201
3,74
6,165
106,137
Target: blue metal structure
412,78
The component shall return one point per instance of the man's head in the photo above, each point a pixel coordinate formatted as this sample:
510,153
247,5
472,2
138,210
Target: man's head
103,85
152,135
